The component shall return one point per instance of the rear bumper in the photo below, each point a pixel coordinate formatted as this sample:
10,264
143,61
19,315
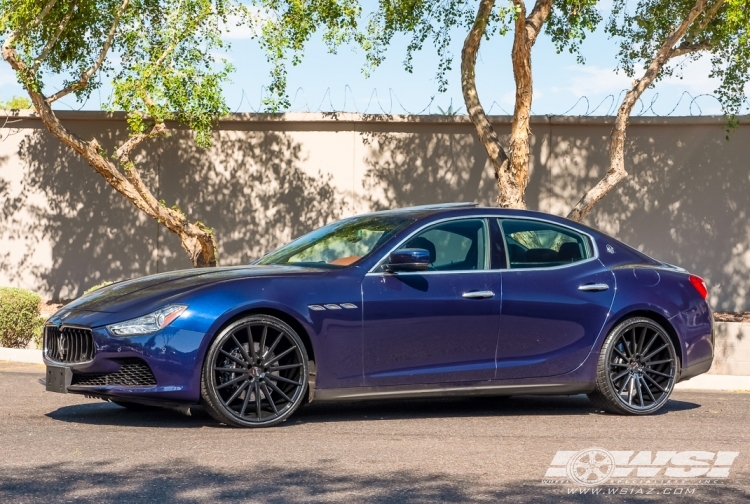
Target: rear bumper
162,367
695,370
696,330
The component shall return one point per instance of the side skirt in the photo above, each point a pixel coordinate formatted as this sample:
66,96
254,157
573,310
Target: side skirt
368,393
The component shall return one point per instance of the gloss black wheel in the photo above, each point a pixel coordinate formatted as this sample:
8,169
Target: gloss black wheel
255,373
637,369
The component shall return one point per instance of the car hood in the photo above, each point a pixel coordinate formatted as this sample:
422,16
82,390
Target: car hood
127,294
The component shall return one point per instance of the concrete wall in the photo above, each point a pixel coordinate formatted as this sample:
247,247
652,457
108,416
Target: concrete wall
268,179
732,352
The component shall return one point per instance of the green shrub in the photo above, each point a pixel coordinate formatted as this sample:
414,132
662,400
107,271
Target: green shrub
20,321
97,286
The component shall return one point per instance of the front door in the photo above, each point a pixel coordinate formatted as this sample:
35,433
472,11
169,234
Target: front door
439,325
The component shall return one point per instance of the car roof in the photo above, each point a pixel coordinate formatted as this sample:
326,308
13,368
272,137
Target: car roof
460,208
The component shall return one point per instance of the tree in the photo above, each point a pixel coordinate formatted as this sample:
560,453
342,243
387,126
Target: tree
658,33
565,21
290,24
158,53
160,57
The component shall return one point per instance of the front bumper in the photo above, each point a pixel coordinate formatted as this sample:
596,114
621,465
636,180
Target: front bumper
164,366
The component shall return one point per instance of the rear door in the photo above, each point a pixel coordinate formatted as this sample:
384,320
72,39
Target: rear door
556,298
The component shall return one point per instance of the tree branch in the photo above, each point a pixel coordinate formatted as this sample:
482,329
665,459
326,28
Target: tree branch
697,30
10,41
85,76
38,19
662,56
123,155
710,15
616,170
196,239
684,49
53,40
536,19
170,48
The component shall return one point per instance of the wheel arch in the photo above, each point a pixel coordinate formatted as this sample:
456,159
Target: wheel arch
295,324
659,319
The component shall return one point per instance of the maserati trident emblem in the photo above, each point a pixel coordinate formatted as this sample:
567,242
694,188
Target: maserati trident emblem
62,346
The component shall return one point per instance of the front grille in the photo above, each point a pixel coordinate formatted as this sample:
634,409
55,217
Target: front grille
69,344
133,373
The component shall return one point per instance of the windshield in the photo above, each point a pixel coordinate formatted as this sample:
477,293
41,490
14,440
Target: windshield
339,244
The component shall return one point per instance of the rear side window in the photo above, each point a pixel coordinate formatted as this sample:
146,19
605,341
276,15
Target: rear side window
538,244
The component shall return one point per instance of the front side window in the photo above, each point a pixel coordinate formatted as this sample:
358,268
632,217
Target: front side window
339,244
457,245
538,244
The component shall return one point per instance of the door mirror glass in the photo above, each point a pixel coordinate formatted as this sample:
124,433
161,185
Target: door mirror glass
408,259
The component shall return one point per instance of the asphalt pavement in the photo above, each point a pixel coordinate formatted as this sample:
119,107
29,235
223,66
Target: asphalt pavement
66,448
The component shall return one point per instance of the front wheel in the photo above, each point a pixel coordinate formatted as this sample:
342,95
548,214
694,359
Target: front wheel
637,369
255,373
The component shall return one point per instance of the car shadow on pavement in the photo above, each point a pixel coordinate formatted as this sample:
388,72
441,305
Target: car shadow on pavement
185,481
577,405
103,413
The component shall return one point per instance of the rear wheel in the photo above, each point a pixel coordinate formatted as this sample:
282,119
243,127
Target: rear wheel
637,369
255,373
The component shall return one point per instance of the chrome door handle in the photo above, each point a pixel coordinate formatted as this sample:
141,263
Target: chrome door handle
478,294
593,287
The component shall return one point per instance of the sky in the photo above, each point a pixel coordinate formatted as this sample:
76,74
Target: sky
326,82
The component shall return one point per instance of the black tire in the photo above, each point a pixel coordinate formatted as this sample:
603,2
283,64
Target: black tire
637,369
255,373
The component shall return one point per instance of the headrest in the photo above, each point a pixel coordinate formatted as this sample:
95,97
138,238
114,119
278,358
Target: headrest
569,252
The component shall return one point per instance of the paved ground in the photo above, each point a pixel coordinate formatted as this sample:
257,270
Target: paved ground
65,448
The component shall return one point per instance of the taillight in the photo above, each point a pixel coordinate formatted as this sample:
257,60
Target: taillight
699,285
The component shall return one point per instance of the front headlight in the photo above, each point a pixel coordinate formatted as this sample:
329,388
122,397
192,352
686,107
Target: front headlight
148,323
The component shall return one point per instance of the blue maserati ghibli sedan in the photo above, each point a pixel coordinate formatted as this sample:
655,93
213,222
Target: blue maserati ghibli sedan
426,301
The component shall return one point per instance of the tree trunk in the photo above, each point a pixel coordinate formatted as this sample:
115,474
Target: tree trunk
511,172
508,190
616,170
197,240
520,131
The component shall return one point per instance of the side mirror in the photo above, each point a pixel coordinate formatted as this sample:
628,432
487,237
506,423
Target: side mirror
408,259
